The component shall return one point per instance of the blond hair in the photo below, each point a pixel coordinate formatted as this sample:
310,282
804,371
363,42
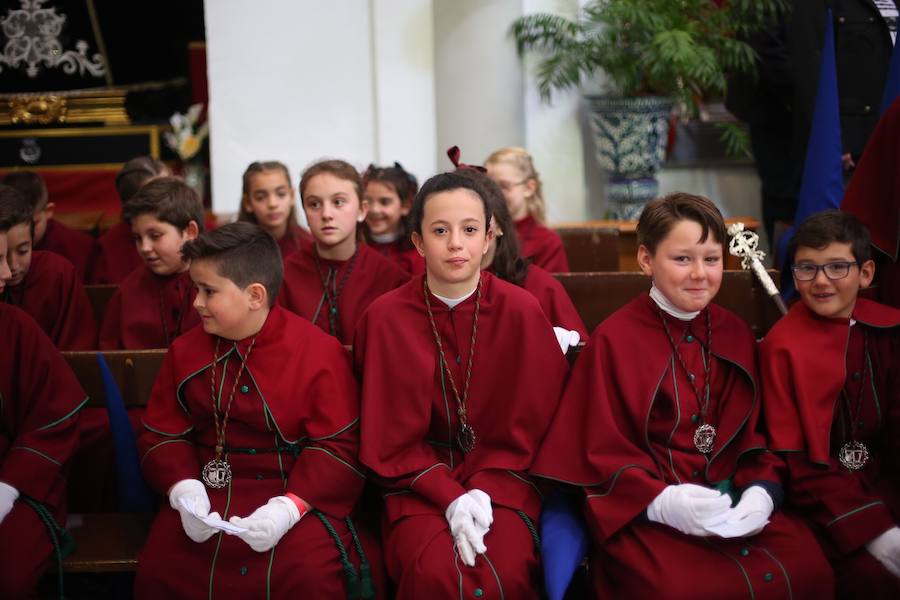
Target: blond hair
521,160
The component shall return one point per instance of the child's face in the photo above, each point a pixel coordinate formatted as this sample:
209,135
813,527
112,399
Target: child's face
454,236
687,272
224,308
385,208
18,255
832,298
332,210
159,243
515,187
270,199
4,268
41,216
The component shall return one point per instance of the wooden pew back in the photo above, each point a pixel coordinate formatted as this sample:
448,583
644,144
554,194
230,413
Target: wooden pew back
590,249
598,295
134,372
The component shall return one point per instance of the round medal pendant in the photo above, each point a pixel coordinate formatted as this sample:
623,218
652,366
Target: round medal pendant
854,456
466,438
704,438
217,473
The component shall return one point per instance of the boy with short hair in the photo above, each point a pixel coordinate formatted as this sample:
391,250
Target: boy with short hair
831,378
44,284
49,234
116,254
38,433
254,419
153,305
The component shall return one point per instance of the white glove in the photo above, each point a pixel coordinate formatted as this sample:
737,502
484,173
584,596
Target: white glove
886,548
470,517
268,523
690,508
751,514
189,498
8,497
566,338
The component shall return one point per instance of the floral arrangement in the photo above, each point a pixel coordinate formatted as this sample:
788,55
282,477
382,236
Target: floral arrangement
183,140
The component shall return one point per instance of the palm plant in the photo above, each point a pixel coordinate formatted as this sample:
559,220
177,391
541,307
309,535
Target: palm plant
684,49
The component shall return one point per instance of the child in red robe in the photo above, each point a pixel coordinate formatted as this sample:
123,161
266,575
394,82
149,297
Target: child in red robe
49,234
267,199
332,281
44,284
153,305
116,255
831,375
513,170
504,261
38,433
461,374
389,194
658,427
252,433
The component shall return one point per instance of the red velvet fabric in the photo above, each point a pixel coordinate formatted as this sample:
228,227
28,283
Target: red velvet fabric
407,259
134,316
554,300
542,245
38,435
409,425
295,238
116,257
75,246
53,295
302,291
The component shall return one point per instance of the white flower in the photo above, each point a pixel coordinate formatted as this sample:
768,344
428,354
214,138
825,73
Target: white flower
183,139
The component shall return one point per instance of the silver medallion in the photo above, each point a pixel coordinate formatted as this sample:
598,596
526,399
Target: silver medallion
854,456
217,473
466,438
704,438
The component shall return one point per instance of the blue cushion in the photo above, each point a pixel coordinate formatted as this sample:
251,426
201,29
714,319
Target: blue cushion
564,544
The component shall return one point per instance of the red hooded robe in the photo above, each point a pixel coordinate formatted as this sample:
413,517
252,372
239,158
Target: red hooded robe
542,245
116,257
813,369
409,425
554,300
39,403
624,432
293,427
76,246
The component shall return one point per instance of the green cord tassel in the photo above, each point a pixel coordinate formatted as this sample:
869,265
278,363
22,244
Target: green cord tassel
367,588
353,586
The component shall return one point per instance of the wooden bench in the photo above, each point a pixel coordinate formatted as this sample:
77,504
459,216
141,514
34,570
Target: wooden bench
598,295
627,240
109,542
99,297
134,372
590,249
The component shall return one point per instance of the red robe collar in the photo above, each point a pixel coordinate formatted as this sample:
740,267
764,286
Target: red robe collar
804,366
873,194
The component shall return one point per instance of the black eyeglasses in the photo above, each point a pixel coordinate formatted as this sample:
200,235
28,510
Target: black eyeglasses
832,270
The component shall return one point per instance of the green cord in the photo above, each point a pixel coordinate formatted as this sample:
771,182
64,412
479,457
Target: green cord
60,549
353,583
367,590
530,525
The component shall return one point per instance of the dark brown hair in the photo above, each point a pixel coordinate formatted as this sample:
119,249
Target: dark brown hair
31,185
507,264
170,200
135,173
444,182
15,209
243,253
247,177
823,228
660,216
338,168
404,185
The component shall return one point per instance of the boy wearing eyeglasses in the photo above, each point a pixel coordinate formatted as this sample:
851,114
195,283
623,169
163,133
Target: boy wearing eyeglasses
831,398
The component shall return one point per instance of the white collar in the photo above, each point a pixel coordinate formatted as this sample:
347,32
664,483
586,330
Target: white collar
452,302
667,306
385,238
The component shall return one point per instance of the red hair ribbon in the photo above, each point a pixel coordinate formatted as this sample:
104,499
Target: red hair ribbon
453,154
